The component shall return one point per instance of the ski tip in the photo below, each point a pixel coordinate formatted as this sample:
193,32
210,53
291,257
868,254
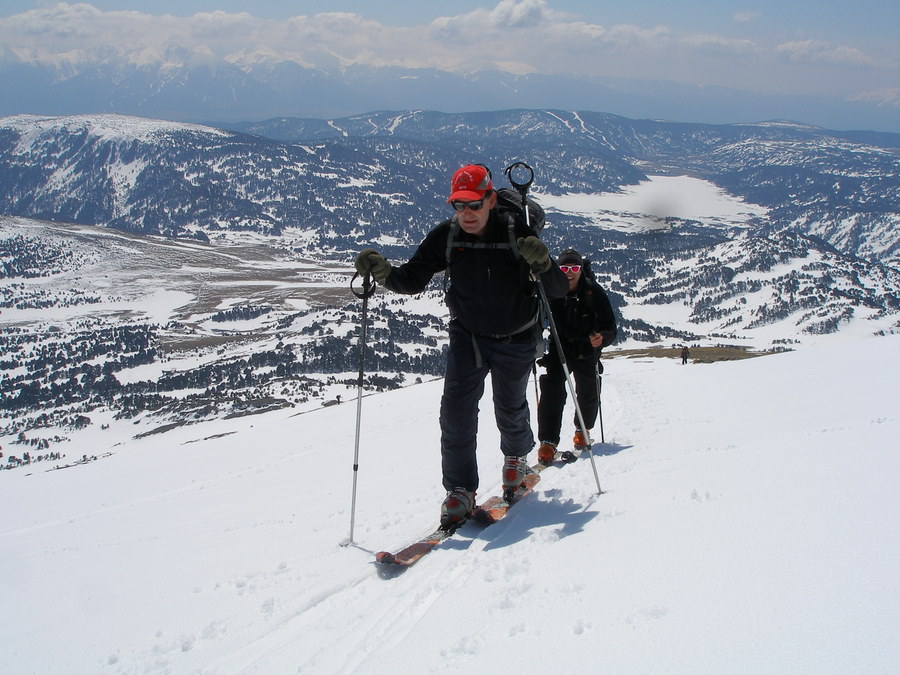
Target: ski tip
385,558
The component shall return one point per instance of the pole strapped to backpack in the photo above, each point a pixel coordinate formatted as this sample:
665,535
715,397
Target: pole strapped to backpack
522,187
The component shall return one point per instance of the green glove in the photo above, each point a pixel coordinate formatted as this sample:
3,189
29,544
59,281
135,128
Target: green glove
535,253
370,260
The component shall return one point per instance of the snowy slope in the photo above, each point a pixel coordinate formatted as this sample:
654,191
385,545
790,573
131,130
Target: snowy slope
749,524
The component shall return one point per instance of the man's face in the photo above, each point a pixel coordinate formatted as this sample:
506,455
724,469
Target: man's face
475,222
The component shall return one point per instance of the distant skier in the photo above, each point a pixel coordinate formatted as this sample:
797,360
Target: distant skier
494,326
685,354
586,324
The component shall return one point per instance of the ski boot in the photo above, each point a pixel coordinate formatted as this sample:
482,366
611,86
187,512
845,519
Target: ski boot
514,470
547,452
457,507
580,446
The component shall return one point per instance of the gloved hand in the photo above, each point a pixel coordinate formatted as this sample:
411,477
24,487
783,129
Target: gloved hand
370,260
535,253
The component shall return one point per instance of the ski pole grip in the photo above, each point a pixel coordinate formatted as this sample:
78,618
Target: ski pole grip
368,286
523,171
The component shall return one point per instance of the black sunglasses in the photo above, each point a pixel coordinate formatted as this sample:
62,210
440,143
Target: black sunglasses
474,206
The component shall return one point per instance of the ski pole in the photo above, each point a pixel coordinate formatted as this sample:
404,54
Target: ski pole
522,187
368,289
599,403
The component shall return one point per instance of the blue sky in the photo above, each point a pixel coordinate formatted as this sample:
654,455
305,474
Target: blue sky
841,50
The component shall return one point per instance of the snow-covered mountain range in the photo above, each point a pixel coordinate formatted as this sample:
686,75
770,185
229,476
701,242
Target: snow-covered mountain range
383,175
129,247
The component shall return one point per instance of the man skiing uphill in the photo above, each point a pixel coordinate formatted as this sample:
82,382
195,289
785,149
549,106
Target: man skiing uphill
585,323
489,255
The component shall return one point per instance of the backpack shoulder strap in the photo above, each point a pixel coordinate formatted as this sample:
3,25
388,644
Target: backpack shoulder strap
511,230
451,236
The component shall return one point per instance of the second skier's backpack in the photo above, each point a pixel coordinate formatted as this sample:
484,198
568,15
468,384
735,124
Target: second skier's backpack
586,269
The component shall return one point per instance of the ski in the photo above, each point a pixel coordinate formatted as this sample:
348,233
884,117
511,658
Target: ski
496,507
414,552
487,513
570,456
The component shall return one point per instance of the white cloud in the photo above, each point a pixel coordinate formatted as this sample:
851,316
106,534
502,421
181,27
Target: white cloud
636,36
527,13
720,44
516,35
889,96
524,32
816,51
746,17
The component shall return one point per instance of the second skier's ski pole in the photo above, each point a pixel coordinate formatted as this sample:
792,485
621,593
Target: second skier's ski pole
599,403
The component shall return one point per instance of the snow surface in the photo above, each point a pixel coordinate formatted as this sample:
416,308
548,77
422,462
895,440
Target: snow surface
749,524
646,205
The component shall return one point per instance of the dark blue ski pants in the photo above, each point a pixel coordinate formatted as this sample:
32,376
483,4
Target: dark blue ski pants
469,361
554,394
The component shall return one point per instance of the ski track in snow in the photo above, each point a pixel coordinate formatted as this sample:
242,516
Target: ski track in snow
385,616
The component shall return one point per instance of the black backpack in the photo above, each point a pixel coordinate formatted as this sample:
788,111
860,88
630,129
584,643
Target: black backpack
586,269
510,199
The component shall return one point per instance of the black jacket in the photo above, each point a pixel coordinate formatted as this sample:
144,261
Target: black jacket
579,314
490,292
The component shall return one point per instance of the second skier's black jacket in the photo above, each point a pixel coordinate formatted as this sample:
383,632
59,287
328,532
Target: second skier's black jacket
490,293
582,312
